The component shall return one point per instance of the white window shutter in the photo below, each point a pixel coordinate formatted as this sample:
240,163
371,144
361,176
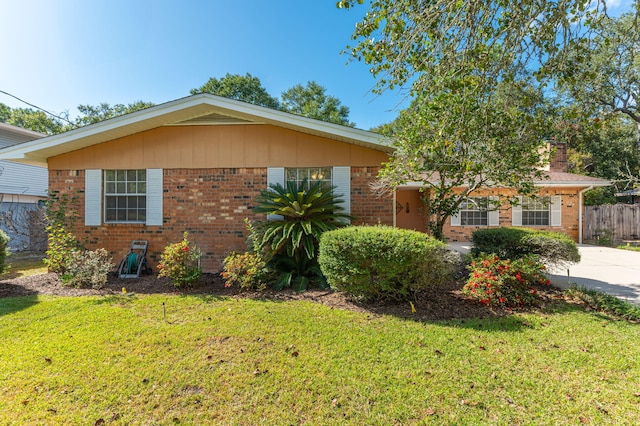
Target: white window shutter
493,215
516,213
556,210
342,182
154,197
455,219
275,175
93,197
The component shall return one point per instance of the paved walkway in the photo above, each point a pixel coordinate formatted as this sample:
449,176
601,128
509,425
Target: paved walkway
609,270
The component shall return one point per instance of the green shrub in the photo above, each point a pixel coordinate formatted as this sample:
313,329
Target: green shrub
87,269
552,248
304,211
4,242
61,248
504,282
181,263
246,270
380,262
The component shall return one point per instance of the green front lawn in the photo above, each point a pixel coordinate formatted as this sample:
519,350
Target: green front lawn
227,361
23,264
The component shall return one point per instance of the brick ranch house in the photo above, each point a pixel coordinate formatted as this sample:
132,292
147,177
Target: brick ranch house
196,164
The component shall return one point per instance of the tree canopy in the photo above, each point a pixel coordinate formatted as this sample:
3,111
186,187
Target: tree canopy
93,114
246,88
312,101
602,74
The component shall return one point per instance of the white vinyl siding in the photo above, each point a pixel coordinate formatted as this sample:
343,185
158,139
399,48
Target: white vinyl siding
23,179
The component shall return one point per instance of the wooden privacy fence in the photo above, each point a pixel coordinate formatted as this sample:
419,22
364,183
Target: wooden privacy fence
616,221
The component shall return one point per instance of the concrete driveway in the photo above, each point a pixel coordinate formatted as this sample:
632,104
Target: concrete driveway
605,269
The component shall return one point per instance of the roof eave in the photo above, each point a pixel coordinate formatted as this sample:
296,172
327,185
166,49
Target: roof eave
172,113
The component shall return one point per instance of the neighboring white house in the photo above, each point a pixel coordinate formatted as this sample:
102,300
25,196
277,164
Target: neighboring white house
23,188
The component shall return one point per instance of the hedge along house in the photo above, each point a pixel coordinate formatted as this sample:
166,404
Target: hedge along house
558,206
196,164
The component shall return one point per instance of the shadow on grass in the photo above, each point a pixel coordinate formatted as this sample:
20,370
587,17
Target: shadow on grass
13,304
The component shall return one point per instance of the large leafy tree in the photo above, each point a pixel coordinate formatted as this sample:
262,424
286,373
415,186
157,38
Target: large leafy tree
90,114
474,121
499,146
246,88
35,120
312,101
602,74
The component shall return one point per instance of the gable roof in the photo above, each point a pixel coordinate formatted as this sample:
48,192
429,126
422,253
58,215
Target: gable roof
200,109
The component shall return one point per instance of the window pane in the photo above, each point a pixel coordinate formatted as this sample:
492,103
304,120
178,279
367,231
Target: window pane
132,202
125,205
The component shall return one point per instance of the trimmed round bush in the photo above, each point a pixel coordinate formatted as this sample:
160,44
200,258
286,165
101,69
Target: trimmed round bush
551,248
4,242
381,262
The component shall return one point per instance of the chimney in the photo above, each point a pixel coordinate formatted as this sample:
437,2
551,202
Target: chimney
558,161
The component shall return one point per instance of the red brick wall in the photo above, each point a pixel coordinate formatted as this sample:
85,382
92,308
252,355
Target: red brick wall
570,210
211,205
365,206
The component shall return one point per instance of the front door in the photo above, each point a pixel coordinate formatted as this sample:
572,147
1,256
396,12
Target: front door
410,210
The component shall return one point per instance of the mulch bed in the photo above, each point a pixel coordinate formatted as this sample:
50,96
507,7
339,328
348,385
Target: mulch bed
437,303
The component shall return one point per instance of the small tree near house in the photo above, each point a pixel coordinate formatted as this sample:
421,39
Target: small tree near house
498,146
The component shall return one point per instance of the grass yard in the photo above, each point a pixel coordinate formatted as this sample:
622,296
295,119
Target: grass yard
115,360
23,264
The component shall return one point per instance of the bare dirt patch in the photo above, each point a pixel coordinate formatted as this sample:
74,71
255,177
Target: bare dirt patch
437,303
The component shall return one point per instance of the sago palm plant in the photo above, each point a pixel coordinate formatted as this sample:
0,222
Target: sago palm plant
300,214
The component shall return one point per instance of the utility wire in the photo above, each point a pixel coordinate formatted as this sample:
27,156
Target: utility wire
37,107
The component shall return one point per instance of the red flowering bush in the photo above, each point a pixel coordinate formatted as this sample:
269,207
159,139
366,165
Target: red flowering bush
181,263
246,270
503,282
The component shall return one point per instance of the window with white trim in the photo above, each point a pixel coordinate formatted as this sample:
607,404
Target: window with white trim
473,211
125,196
310,174
536,211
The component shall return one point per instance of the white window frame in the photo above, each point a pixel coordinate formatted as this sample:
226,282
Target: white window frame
492,214
117,186
340,178
94,198
555,212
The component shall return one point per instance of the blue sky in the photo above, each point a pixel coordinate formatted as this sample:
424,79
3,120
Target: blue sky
59,54
64,53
